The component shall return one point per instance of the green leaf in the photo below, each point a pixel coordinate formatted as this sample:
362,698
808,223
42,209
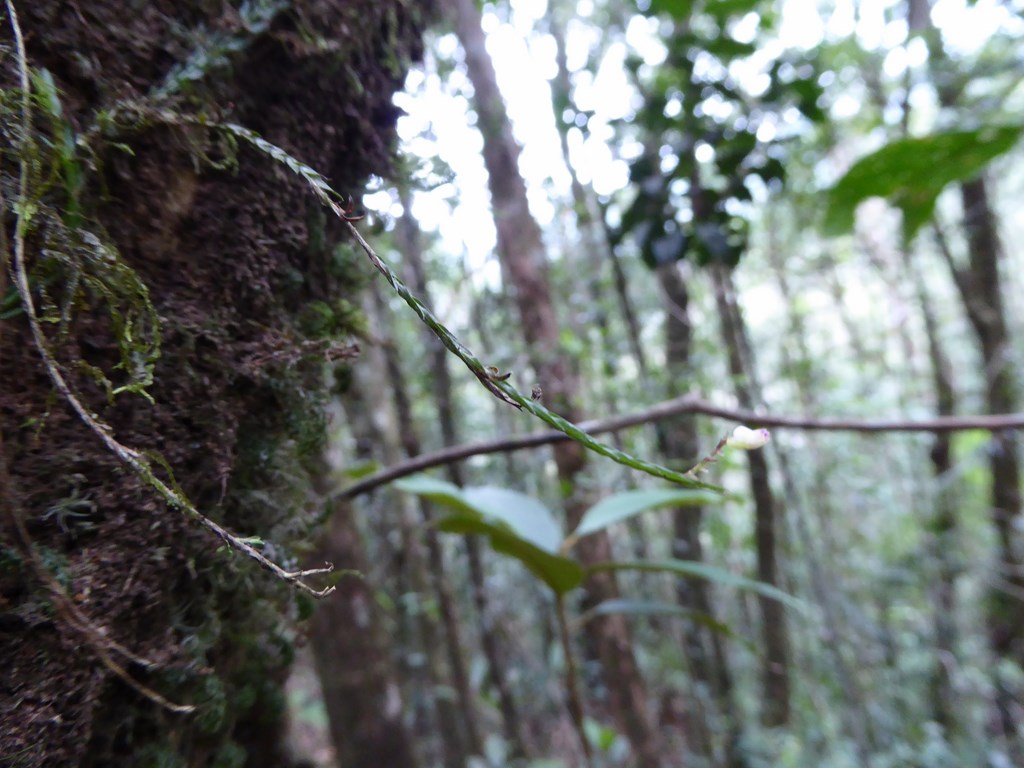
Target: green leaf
692,569
601,737
911,173
678,9
517,526
361,470
628,607
561,574
526,516
436,490
721,10
622,506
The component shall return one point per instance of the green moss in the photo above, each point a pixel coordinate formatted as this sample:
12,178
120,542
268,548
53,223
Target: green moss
317,320
248,451
211,708
230,755
158,756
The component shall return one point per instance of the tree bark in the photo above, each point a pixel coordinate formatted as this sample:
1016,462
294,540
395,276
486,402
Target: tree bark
234,385
979,284
942,528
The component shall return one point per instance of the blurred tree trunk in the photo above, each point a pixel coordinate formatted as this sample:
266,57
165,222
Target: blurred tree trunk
464,732
942,528
979,285
774,633
710,670
595,254
818,546
408,235
978,282
352,653
375,428
521,250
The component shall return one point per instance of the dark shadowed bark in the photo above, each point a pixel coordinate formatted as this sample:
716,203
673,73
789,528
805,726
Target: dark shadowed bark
980,290
942,527
978,282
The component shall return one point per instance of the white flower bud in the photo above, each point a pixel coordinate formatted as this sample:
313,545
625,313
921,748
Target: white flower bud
747,439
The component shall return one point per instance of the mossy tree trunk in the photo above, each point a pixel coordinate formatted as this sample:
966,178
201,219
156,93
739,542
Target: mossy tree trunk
217,234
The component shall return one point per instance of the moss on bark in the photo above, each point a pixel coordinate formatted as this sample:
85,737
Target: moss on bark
235,264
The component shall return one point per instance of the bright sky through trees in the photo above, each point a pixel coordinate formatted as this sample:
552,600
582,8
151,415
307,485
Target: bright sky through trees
439,120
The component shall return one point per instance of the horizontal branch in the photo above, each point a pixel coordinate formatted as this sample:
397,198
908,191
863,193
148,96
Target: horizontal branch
688,404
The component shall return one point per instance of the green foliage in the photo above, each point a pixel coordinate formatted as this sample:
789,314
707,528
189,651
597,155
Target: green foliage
230,755
702,166
601,737
524,529
911,173
622,506
212,707
720,10
161,755
697,570
77,268
516,525
631,607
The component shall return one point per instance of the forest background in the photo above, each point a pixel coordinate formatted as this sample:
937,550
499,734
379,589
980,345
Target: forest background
787,215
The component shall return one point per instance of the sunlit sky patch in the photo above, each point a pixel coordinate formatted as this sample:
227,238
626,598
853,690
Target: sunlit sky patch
440,121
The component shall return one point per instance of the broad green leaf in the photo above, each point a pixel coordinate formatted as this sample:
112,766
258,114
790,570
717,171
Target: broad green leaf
436,490
628,607
526,516
516,524
622,506
720,9
691,569
911,173
561,574
523,515
678,9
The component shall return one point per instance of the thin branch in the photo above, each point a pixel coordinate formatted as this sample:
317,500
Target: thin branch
132,458
688,404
